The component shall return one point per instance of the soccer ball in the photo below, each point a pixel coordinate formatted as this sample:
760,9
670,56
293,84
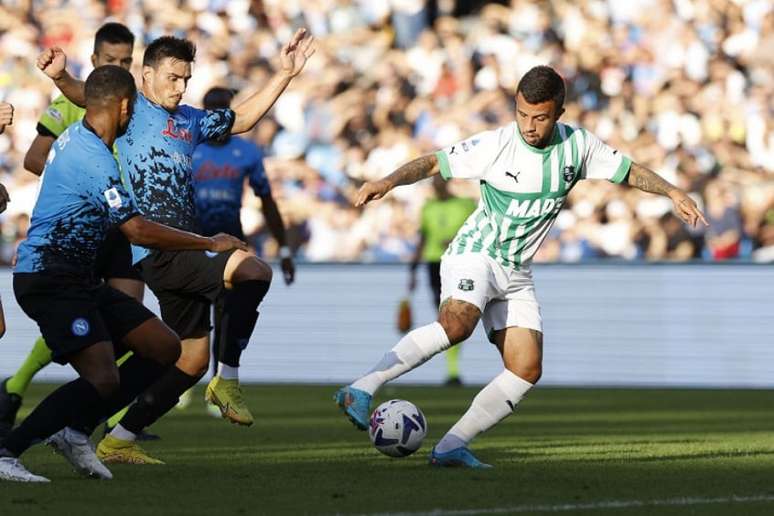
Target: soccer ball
397,428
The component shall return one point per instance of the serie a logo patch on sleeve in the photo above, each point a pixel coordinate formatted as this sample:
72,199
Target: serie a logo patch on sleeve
113,198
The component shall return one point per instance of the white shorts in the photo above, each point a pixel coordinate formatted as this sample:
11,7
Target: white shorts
506,297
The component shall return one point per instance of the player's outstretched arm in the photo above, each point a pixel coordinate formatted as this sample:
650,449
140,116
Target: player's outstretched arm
293,57
53,62
646,180
141,231
413,171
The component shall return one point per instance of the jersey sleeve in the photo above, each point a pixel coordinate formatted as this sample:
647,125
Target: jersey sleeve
601,161
470,158
58,116
257,174
111,195
213,123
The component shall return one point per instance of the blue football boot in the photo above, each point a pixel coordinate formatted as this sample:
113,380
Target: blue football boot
457,458
356,404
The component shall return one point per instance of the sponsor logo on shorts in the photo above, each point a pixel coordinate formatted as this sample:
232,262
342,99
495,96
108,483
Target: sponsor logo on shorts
210,254
466,284
80,327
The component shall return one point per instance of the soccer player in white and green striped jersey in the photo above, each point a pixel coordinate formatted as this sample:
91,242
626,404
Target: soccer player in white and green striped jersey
525,169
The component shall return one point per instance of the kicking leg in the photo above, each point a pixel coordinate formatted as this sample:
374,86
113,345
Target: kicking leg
522,353
247,279
456,322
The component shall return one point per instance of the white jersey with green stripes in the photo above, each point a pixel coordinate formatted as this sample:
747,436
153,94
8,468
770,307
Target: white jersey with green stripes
523,187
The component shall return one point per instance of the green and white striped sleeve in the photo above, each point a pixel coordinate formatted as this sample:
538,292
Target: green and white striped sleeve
470,158
602,161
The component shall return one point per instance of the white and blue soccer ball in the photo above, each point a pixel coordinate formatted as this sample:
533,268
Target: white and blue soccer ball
397,428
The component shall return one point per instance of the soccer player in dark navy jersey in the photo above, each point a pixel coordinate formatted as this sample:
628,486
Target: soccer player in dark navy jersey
83,320
221,167
155,156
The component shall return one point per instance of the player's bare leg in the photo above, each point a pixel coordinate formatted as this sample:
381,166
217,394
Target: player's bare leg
456,322
522,353
247,279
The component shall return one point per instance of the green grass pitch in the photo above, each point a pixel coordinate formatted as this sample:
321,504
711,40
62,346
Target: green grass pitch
566,451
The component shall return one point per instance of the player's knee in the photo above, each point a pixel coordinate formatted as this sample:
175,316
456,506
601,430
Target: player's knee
194,363
168,349
456,330
106,382
530,372
253,268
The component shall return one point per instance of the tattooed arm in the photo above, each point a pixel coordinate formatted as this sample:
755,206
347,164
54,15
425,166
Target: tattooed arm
646,180
411,172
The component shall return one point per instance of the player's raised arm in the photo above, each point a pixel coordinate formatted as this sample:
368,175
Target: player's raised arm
413,171
53,63
646,180
293,57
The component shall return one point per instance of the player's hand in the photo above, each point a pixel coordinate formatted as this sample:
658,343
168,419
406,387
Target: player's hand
288,270
52,62
372,191
686,208
4,198
223,242
6,115
294,54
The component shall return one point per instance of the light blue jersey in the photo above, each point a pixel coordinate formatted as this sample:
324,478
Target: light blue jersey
156,158
81,198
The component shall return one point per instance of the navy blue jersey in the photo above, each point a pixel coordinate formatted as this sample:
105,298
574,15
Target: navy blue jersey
155,156
219,173
81,198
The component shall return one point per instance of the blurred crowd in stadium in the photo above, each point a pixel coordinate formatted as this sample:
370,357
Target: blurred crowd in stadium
684,86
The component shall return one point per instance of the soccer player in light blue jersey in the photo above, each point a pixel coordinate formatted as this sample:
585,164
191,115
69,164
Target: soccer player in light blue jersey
155,156
85,322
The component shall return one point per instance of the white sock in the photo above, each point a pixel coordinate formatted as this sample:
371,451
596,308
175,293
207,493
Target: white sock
227,372
489,407
119,432
417,347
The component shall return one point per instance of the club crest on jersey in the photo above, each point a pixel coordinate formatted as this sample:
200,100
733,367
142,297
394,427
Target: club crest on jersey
569,173
174,132
466,285
113,198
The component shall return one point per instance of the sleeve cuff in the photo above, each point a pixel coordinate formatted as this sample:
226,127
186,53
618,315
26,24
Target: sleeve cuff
45,131
443,161
126,218
623,171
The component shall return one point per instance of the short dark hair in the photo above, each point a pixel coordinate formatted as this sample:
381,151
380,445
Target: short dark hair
542,84
113,33
169,46
109,83
218,98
